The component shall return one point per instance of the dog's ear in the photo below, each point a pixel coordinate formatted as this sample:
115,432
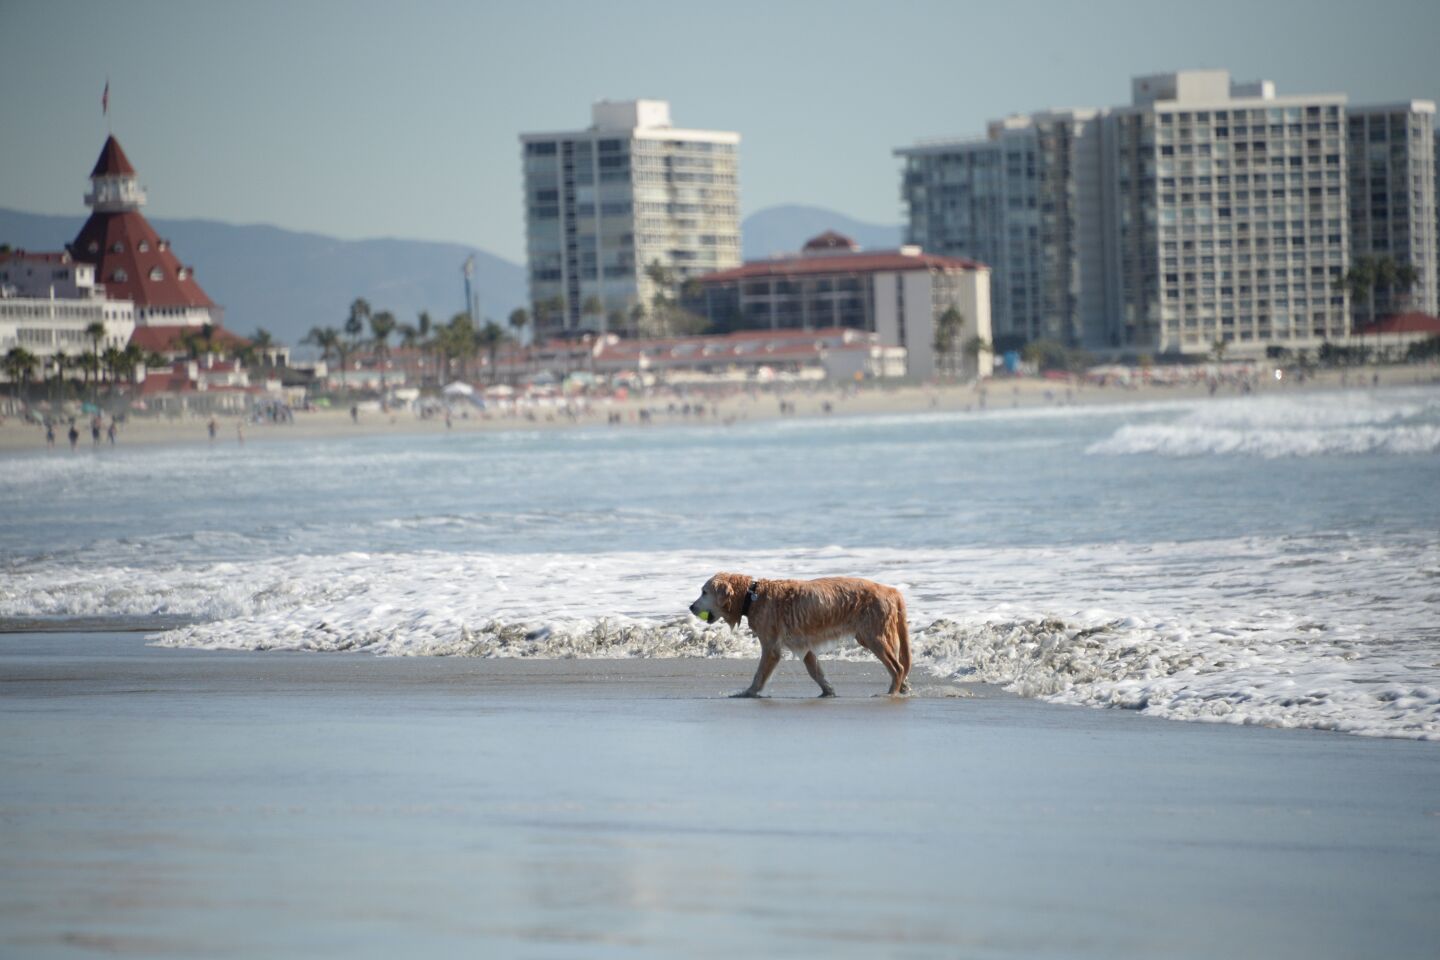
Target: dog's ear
730,592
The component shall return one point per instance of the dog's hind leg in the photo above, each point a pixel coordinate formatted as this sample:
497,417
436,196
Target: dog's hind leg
768,659
813,665
885,653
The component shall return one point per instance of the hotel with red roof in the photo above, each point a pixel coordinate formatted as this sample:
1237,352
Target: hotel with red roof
899,296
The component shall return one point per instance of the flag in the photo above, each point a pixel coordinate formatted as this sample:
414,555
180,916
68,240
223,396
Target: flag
105,99
470,266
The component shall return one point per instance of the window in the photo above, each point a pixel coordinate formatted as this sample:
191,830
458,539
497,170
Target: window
157,274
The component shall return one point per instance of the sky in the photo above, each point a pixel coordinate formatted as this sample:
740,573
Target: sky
364,119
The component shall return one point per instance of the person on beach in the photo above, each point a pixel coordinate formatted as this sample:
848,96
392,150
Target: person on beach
110,432
49,433
354,413
95,430
240,432
212,426
74,435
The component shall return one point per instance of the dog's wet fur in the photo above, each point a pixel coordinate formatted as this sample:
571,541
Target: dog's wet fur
804,616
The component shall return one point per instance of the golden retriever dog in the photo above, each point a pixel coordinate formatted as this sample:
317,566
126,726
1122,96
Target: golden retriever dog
807,615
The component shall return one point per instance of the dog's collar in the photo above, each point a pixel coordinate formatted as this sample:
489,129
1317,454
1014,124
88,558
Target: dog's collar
751,595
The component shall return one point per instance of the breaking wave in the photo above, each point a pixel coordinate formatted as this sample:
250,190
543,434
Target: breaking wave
1347,424
1326,633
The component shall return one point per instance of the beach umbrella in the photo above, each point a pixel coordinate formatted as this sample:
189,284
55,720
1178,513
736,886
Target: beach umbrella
459,389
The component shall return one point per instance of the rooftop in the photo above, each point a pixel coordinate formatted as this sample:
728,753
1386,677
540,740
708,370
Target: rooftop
112,161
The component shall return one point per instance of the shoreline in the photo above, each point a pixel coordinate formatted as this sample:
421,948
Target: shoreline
996,395
279,805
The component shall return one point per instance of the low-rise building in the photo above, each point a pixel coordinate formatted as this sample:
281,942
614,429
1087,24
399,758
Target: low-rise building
48,302
836,354
937,309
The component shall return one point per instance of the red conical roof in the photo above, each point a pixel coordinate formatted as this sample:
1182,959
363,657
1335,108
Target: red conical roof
112,162
134,264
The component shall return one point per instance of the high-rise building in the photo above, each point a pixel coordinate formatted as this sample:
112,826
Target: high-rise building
613,209
1204,212
1392,202
1231,228
1016,200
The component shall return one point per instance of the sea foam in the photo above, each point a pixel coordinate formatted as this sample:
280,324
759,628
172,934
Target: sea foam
1318,633
1350,424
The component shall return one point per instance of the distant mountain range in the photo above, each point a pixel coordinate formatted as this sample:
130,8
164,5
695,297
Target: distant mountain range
289,282
784,229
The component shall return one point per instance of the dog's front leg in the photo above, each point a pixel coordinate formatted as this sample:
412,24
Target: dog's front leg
769,657
812,664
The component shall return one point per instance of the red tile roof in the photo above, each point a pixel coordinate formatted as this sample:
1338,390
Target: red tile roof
1403,323
112,162
881,261
830,240
152,276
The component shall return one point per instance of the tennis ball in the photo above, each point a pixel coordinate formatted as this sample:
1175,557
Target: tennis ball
705,615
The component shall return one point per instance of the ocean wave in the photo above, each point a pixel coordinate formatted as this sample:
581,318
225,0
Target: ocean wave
1327,632
1162,669
1397,423
1295,678
1188,440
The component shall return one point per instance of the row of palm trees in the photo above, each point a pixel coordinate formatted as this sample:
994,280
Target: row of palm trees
113,364
1375,275
450,345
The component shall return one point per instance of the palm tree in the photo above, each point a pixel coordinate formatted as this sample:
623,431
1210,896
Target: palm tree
96,332
490,337
355,322
130,358
19,365
519,317
382,324
947,333
329,341
113,357
1369,275
457,342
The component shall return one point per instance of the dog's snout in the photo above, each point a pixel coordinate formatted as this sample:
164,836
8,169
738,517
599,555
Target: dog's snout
693,606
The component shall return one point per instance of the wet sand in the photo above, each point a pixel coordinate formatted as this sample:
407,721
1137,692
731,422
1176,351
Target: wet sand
999,394
190,803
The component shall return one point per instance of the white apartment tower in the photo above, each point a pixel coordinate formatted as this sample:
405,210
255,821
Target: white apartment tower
1392,201
1231,226
605,205
1204,212
1025,200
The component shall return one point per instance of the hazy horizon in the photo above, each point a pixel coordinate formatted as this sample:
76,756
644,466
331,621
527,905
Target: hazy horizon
365,120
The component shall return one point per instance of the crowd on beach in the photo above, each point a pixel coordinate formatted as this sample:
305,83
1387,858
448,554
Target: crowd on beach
687,404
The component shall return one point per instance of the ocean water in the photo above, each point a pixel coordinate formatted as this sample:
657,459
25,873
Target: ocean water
1265,560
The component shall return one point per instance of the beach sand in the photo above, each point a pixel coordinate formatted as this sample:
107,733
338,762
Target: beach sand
189,803
999,394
